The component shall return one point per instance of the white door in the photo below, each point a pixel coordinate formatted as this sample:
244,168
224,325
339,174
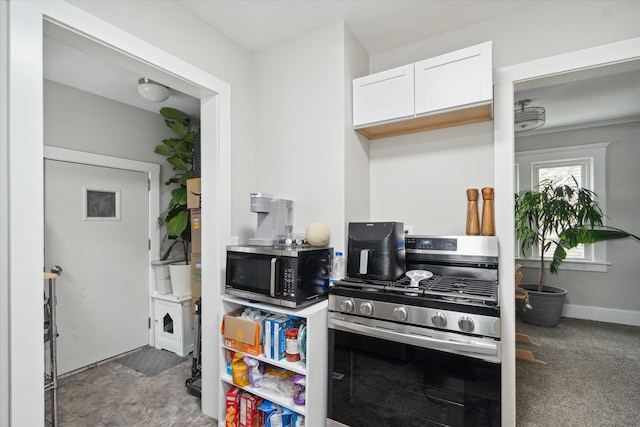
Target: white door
96,229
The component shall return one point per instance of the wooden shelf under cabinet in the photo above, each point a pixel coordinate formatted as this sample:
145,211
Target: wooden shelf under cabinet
477,114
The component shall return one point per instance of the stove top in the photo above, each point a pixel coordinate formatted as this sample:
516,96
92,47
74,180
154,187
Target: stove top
461,290
458,295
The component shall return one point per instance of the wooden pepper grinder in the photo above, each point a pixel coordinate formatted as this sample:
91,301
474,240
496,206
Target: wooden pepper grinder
488,227
473,225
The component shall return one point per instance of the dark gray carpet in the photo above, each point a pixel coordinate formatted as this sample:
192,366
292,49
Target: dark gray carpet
150,360
592,375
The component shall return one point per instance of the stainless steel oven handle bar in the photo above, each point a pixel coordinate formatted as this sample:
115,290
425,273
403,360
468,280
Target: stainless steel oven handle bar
483,350
272,282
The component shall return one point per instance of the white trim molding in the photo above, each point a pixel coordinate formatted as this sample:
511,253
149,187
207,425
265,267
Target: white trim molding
601,314
504,80
574,265
25,188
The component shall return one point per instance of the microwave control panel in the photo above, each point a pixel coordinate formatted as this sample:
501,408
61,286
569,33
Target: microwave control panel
289,283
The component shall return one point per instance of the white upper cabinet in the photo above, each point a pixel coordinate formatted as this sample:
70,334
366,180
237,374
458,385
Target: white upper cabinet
448,90
454,80
383,96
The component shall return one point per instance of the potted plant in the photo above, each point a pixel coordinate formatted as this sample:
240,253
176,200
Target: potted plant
179,151
563,215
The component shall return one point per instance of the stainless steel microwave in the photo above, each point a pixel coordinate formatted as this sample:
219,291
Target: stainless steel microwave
290,277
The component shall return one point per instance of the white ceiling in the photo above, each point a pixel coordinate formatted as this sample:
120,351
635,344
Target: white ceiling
75,68
378,25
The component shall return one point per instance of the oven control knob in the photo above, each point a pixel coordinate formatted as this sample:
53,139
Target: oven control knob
366,308
400,313
347,305
465,323
439,320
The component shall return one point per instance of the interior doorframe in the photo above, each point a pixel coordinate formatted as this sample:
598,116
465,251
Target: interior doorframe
25,213
152,170
505,79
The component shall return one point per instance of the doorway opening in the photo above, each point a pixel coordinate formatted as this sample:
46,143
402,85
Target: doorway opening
26,353
506,80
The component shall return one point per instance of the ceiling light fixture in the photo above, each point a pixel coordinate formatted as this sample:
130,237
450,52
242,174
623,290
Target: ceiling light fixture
152,91
528,118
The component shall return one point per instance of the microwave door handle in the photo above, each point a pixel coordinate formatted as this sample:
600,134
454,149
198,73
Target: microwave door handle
272,282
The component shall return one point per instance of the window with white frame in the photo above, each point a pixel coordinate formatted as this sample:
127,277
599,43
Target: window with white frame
583,166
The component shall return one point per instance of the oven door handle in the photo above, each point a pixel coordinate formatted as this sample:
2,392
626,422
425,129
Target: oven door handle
476,348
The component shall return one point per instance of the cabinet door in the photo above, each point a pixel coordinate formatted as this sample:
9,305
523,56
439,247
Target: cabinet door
454,80
387,95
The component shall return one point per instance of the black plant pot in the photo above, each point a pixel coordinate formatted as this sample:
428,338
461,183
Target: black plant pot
546,305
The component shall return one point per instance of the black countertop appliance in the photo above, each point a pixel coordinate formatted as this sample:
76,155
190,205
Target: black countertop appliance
376,250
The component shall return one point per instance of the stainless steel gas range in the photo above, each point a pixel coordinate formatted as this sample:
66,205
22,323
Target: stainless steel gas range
423,350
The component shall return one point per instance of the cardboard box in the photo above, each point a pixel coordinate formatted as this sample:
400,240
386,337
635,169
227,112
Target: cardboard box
241,334
196,275
196,284
196,230
249,414
194,190
232,415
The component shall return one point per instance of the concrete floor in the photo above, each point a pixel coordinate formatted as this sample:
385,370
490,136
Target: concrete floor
115,395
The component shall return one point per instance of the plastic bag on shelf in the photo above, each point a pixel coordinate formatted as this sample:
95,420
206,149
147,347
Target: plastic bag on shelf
281,386
256,371
299,385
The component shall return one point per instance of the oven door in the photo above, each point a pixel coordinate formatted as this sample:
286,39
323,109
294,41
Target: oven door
375,379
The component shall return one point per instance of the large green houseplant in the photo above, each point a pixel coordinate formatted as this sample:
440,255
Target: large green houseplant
179,153
564,215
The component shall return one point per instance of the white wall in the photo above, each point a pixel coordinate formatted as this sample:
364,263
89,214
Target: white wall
357,147
421,179
185,36
82,121
4,222
545,29
300,114
419,170
617,288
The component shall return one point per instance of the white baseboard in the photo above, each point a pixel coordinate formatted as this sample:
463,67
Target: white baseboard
611,315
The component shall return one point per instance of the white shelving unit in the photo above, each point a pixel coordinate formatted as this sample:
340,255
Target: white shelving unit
315,369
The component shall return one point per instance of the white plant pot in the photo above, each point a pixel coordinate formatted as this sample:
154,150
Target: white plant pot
180,279
163,278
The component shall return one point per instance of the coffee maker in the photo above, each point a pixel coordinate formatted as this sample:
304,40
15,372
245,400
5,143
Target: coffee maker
275,218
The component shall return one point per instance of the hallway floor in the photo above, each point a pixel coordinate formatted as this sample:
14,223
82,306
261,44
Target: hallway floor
115,395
